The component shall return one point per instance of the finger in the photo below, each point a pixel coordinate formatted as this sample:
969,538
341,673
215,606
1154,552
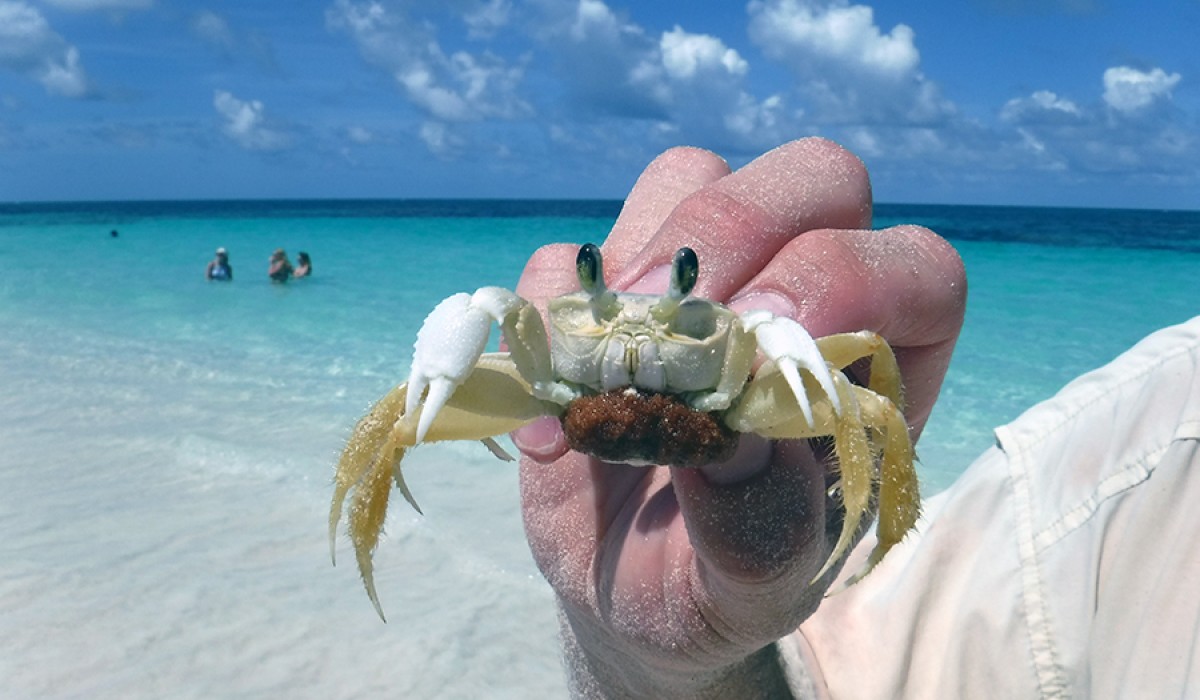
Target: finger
666,182
905,283
550,272
738,223
761,540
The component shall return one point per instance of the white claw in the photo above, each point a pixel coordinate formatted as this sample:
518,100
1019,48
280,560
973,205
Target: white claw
790,346
792,375
448,346
440,390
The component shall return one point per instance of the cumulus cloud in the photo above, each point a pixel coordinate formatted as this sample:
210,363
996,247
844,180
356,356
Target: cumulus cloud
850,70
245,123
603,61
1042,106
596,20
704,81
685,55
28,45
683,62
1060,134
680,84
839,33
1130,90
454,87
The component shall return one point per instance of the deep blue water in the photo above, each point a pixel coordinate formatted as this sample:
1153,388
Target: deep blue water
118,213
1062,226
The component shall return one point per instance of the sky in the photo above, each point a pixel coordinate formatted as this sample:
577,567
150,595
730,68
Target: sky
1012,102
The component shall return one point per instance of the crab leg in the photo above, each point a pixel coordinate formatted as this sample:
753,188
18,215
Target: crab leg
856,464
492,400
899,496
882,406
843,349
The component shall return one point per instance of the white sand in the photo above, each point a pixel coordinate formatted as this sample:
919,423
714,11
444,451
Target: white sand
164,537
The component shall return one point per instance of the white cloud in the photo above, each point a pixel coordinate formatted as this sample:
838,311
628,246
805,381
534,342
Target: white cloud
839,33
1129,90
1060,135
708,99
864,142
851,70
1042,106
439,139
594,19
245,123
65,77
756,122
606,63
28,45
454,87
684,55
675,86
683,62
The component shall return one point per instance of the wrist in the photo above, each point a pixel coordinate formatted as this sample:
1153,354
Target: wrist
599,666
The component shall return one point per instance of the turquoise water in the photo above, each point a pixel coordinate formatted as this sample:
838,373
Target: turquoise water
168,442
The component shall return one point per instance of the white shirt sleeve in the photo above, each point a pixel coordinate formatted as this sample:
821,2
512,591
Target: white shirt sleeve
1064,563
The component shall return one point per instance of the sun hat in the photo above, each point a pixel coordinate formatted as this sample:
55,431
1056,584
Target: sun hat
222,251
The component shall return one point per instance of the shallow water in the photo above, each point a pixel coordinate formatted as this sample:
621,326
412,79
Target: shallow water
168,443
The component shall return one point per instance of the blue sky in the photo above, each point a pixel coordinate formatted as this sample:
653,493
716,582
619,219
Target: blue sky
1043,102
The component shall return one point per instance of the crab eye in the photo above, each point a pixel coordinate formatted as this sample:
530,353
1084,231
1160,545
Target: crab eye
685,268
589,265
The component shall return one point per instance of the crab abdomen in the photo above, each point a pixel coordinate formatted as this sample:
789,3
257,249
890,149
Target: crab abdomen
645,427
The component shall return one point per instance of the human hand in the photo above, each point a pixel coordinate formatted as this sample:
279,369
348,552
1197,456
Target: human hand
672,580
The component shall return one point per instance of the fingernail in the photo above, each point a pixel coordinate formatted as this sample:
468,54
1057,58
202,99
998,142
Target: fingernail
542,440
774,302
655,281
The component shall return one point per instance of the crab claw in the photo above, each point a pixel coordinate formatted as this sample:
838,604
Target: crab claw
790,346
449,345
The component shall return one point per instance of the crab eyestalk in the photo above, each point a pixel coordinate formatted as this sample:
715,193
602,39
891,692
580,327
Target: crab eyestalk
589,265
685,269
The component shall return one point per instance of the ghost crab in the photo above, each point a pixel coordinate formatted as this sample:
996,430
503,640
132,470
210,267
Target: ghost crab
639,379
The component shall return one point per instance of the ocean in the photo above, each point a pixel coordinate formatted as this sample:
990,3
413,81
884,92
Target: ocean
167,444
